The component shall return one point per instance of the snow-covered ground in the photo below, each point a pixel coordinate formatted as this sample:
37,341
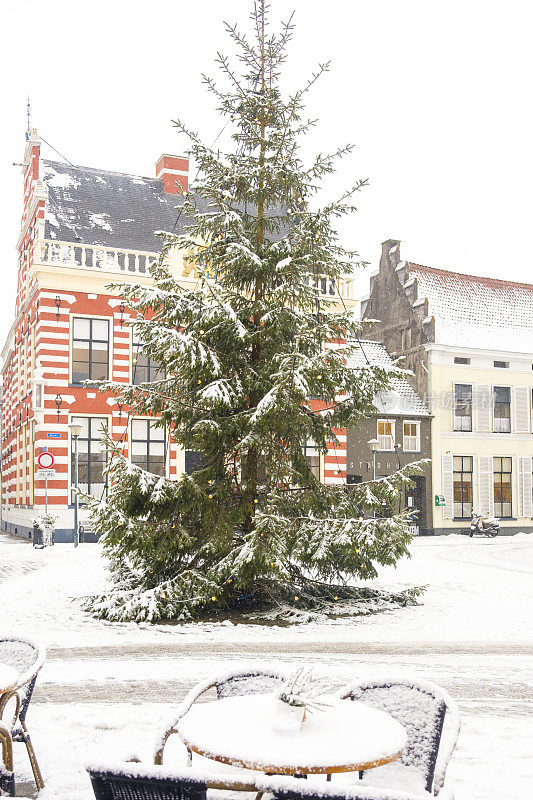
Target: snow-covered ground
105,687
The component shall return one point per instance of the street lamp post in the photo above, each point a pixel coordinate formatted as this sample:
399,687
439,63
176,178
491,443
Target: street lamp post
75,431
374,445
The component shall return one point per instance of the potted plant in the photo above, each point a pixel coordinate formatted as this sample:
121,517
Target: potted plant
43,530
303,691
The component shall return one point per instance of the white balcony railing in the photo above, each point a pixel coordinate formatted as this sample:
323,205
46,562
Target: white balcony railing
92,257
135,262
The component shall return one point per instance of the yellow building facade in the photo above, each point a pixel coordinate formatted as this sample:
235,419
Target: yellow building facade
467,342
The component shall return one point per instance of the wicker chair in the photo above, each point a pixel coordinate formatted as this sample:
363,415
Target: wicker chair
27,658
7,777
295,789
141,782
253,680
422,708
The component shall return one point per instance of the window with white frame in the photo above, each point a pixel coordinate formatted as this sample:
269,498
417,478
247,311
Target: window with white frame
502,409
462,407
147,445
312,456
503,482
411,436
91,456
144,369
90,349
386,434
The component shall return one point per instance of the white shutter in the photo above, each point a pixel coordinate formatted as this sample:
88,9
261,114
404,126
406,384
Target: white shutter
486,485
483,407
521,409
447,486
525,486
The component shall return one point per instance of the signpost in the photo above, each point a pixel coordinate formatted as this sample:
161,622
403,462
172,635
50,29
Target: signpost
46,461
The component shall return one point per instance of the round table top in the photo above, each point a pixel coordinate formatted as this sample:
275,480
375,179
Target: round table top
347,736
8,678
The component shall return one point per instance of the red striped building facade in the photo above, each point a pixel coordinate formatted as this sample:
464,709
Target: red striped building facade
81,229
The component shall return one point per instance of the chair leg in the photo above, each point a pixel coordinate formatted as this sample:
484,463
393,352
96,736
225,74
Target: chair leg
7,781
33,758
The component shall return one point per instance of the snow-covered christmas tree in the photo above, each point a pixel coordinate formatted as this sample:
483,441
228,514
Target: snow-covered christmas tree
244,352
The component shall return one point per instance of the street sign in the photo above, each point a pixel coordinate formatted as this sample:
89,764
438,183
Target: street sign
46,460
53,436
46,474
44,449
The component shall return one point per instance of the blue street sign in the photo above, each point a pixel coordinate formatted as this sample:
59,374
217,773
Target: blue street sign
44,449
53,436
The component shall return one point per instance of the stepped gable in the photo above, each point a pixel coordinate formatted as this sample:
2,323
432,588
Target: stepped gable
401,399
469,310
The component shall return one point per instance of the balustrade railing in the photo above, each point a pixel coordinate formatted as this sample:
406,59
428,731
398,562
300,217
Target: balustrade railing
111,259
84,256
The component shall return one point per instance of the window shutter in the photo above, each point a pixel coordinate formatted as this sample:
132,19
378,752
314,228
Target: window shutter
525,486
521,409
447,486
483,407
486,485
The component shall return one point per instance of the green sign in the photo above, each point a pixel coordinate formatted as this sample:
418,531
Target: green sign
440,500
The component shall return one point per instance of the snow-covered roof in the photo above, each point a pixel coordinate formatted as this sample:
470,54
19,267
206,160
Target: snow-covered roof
472,311
112,209
401,399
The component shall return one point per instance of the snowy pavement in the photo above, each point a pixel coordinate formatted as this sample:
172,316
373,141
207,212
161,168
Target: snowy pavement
105,687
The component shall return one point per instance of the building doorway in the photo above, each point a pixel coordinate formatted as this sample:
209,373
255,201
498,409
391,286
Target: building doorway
415,500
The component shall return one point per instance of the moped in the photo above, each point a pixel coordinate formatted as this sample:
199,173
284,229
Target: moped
483,525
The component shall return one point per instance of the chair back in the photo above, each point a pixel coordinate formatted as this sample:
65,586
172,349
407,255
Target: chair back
27,658
420,707
247,680
130,781
252,682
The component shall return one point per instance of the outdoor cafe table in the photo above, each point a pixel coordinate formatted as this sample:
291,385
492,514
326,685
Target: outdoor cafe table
346,737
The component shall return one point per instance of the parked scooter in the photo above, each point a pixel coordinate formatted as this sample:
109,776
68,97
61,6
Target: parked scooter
483,525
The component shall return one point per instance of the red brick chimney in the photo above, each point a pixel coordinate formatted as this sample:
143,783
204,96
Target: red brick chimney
174,172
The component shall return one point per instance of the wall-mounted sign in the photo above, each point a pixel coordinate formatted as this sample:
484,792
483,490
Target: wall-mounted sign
440,500
53,436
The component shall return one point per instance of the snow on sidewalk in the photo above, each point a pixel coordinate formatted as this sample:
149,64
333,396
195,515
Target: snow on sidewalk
479,590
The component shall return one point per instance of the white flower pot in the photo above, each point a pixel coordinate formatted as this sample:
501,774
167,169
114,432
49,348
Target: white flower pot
287,718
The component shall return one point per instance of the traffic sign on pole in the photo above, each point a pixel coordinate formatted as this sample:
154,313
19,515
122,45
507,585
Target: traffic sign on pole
46,460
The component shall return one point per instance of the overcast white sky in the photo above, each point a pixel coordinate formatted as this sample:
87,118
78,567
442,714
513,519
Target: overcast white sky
436,96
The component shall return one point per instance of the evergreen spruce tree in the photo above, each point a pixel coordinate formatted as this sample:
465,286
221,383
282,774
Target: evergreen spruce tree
244,351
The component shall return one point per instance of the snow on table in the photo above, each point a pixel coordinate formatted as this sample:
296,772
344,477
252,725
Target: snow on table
8,678
240,731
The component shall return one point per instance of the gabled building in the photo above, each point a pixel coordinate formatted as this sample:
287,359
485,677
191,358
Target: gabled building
83,228
401,429
469,342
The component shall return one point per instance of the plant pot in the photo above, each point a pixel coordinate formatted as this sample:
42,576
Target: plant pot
287,718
